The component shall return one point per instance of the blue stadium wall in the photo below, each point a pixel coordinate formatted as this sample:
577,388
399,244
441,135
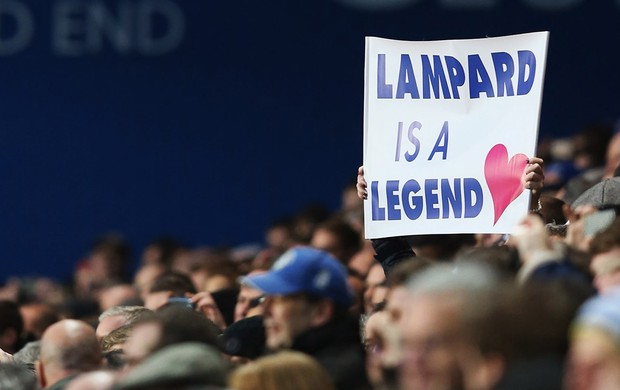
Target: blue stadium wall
207,120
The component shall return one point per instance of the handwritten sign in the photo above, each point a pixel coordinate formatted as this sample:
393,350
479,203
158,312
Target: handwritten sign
448,129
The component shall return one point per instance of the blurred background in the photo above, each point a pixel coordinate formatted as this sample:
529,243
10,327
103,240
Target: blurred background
207,121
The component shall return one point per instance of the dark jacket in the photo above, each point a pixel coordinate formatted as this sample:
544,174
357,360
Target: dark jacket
391,251
337,347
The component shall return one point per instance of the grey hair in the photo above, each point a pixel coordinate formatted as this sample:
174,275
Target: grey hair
129,313
464,277
29,354
17,377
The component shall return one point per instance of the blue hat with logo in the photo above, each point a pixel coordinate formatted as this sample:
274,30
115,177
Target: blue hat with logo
305,270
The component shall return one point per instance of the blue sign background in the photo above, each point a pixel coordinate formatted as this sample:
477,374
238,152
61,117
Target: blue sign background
256,111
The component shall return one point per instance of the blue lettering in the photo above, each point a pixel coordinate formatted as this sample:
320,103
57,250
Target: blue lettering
450,198
460,198
432,200
527,59
456,74
378,212
414,140
384,91
433,78
471,187
479,80
406,79
443,148
392,200
412,205
504,70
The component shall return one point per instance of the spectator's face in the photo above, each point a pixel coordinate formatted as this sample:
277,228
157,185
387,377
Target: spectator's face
286,316
594,361
429,329
246,294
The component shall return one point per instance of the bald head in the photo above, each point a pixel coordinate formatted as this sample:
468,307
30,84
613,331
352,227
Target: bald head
68,347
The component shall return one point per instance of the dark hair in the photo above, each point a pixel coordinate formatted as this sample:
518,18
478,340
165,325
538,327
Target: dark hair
117,252
183,325
10,318
349,241
115,359
176,282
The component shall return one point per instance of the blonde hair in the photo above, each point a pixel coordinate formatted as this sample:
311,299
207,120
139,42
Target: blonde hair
282,371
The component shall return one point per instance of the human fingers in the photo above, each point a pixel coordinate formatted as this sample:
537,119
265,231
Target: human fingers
361,185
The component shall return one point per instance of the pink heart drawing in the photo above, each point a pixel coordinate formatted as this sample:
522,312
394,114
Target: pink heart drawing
503,177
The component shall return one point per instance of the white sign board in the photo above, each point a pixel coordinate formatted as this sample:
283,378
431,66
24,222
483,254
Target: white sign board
448,129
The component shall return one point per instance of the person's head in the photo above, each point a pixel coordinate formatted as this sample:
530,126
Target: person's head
145,276
285,370
215,272
503,258
162,251
186,365
117,294
29,354
109,259
430,323
37,317
510,329
170,284
15,376
279,235
169,325
338,238
594,357
612,156
305,288
11,326
306,220
605,261
248,299
118,316
591,144
244,340
68,347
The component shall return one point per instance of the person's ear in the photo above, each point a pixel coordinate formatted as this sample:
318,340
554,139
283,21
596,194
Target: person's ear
40,371
322,312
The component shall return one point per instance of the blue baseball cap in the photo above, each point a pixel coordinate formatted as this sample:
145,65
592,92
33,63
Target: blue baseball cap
305,270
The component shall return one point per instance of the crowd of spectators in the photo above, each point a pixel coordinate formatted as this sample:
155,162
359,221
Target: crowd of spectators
320,307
